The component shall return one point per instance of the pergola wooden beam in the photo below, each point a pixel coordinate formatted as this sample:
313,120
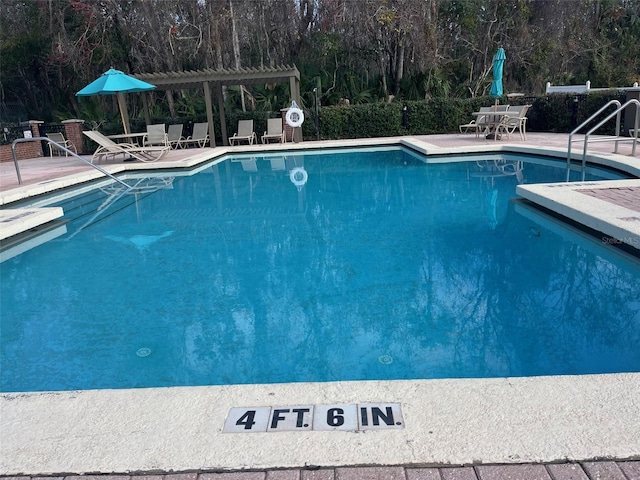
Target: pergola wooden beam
208,78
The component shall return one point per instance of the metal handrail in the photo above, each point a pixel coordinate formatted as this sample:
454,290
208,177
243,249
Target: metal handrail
635,102
617,113
583,124
64,149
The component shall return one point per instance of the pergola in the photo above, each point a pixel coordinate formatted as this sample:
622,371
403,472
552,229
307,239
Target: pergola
216,79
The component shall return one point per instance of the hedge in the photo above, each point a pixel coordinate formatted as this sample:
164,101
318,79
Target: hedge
553,113
558,113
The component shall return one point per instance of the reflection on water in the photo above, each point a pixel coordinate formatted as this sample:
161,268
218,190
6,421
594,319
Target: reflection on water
375,267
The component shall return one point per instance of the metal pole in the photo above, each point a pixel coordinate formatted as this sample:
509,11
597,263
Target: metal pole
70,152
316,119
15,161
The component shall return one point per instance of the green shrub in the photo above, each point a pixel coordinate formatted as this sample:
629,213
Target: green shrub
552,113
438,115
558,113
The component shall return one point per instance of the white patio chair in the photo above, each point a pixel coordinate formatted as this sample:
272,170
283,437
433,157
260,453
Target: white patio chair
199,137
156,135
174,135
60,140
516,120
274,131
245,133
477,125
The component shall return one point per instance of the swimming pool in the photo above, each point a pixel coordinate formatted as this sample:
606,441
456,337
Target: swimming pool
349,266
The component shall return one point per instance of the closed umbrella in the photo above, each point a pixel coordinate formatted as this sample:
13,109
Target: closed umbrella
498,64
115,82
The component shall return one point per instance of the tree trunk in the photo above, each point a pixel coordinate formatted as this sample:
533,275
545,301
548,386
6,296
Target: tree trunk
236,50
171,103
383,72
214,58
399,67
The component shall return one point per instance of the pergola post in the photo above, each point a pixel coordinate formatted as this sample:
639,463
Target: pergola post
145,108
294,87
209,106
223,119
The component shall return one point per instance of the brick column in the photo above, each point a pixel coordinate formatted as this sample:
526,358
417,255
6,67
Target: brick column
33,149
73,133
288,129
24,150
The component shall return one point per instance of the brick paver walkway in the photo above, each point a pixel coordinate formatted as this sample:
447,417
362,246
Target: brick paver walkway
628,197
607,470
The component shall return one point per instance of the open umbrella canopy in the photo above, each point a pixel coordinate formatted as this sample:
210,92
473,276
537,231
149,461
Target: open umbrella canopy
114,81
498,63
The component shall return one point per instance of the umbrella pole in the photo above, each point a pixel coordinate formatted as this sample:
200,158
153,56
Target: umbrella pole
124,114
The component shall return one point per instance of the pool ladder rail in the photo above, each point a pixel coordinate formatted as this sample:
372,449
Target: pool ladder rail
617,138
64,149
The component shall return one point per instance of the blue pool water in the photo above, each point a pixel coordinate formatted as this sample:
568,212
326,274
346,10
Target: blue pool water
363,266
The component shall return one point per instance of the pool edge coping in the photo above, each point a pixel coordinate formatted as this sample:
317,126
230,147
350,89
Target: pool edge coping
447,422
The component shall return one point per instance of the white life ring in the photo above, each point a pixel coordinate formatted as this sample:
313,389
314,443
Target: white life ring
298,176
294,117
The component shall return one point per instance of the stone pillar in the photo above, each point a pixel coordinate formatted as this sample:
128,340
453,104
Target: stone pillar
73,133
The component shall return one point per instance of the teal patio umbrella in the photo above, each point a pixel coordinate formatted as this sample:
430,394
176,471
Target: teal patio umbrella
115,82
498,64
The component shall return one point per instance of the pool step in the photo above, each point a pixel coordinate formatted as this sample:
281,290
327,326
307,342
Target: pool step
20,220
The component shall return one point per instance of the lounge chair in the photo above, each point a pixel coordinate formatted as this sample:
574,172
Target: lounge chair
516,120
60,140
199,137
274,131
108,149
156,135
479,124
174,136
245,133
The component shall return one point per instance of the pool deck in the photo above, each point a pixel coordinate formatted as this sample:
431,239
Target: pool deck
549,428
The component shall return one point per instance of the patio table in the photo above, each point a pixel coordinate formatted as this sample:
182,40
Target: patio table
493,119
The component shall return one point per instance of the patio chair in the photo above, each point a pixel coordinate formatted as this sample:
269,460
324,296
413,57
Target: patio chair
108,149
245,133
174,135
156,135
199,137
274,131
60,140
516,120
479,124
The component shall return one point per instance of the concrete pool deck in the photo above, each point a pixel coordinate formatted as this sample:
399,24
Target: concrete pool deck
565,427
